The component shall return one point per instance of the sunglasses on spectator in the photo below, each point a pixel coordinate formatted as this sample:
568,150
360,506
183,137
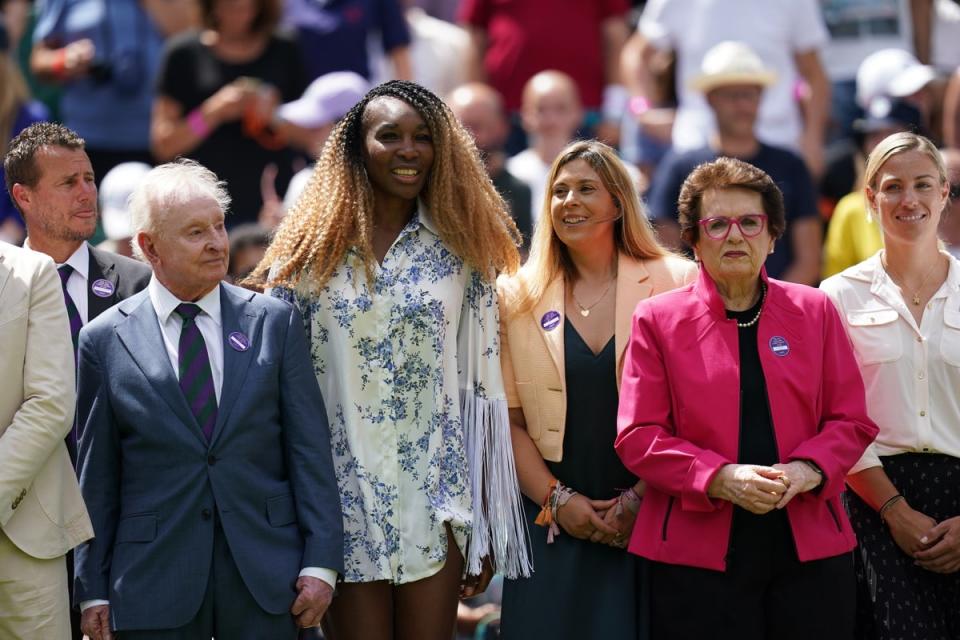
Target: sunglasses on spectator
718,227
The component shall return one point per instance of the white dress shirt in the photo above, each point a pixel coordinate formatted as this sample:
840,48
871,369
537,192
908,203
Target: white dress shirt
77,283
209,321
911,373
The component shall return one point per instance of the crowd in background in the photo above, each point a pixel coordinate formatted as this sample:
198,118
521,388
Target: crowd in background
251,89
265,80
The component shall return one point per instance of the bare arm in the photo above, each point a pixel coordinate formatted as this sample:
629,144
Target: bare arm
475,53
402,67
173,16
806,241
615,34
816,111
61,64
907,526
951,112
921,16
171,134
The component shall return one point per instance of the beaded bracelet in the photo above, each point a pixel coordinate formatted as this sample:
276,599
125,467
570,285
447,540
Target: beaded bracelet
887,505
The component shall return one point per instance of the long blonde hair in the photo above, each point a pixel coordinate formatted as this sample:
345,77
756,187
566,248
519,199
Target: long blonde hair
633,233
335,210
13,96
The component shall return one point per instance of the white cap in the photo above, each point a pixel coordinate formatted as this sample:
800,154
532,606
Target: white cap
326,100
297,184
731,62
115,190
891,73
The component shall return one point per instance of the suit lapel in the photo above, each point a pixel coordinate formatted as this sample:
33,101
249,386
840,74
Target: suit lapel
140,334
237,316
632,286
552,302
100,270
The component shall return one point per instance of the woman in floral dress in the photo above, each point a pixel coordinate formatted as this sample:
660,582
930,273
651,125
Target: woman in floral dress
391,255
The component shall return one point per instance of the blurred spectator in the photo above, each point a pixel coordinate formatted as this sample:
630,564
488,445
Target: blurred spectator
17,112
513,41
895,73
115,190
105,56
950,220
442,9
326,100
786,35
552,112
480,109
852,234
438,51
859,28
313,116
248,243
218,92
733,80
333,35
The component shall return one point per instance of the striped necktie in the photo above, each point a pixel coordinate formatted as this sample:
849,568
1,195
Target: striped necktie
196,377
75,322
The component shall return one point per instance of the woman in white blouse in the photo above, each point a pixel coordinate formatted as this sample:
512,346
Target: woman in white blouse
391,254
902,312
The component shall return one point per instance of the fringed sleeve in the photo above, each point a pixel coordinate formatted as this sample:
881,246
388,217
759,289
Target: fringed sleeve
499,527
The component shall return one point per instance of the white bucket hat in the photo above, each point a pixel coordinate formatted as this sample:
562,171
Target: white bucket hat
729,63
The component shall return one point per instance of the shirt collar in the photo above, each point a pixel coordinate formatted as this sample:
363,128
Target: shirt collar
79,260
873,269
164,302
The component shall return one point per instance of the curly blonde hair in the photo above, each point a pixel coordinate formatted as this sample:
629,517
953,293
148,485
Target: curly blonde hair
335,210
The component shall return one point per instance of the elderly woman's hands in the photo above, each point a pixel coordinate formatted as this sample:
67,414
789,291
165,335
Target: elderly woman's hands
799,477
755,488
581,518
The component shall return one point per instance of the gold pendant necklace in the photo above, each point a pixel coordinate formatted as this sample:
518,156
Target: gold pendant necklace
915,296
585,311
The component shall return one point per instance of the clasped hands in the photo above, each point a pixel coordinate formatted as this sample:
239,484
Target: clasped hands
597,520
760,489
933,546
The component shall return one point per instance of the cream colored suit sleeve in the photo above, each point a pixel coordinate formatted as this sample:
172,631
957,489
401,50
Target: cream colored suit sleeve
36,415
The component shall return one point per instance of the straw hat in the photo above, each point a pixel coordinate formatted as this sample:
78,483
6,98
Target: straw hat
731,63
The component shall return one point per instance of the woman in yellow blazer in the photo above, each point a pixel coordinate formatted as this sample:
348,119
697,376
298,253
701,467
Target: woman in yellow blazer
565,322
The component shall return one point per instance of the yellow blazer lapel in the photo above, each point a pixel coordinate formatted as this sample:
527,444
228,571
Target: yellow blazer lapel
632,286
543,314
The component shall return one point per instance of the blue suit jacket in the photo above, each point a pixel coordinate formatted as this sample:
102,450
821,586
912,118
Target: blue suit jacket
153,484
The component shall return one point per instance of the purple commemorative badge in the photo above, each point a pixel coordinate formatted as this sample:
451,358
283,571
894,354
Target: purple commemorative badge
238,341
550,320
102,288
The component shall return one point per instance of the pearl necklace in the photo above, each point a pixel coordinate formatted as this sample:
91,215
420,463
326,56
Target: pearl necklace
763,294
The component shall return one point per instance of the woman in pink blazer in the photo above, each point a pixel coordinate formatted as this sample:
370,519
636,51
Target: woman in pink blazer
565,322
742,408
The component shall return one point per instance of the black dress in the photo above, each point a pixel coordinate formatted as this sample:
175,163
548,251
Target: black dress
581,589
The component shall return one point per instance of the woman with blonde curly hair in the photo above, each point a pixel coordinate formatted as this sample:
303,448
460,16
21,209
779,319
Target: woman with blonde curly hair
565,322
391,255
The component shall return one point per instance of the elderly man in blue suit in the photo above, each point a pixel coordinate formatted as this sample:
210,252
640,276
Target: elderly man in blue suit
204,450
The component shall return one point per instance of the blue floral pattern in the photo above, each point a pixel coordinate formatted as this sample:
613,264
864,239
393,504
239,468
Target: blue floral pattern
387,361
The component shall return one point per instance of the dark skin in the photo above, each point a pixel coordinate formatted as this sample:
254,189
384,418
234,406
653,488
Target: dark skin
398,155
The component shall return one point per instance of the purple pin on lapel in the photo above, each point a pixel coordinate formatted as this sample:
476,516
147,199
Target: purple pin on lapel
102,288
779,346
238,341
550,320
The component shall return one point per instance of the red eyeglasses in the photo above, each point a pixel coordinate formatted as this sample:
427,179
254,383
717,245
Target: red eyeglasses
718,227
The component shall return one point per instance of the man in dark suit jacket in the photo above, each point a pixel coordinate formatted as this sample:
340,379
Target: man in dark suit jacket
204,452
51,182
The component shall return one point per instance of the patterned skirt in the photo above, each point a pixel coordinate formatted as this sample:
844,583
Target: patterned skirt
898,600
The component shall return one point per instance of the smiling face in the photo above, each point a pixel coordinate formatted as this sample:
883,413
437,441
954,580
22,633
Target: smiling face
189,251
62,206
397,151
735,259
582,210
908,198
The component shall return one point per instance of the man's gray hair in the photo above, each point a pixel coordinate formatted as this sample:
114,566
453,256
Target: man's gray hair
168,187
